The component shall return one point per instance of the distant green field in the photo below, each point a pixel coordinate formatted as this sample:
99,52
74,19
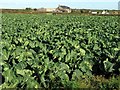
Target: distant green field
60,51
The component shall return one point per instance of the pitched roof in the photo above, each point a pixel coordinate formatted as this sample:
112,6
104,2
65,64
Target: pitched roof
64,6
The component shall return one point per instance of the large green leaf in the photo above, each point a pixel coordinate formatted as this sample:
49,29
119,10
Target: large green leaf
82,52
108,66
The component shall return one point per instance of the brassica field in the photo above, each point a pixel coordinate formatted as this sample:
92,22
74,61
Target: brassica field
52,51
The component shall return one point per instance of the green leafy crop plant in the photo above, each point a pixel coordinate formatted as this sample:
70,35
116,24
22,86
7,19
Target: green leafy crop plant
51,51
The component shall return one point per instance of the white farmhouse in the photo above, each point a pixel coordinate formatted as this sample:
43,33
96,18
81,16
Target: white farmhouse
62,8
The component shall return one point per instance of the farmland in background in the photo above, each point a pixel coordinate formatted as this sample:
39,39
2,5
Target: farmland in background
74,11
68,51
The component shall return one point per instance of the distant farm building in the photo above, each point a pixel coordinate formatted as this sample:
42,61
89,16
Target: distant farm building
50,9
41,9
99,12
62,9
46,9
59,9
105,12
93,12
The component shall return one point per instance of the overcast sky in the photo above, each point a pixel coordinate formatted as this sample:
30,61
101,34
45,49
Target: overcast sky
82,4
